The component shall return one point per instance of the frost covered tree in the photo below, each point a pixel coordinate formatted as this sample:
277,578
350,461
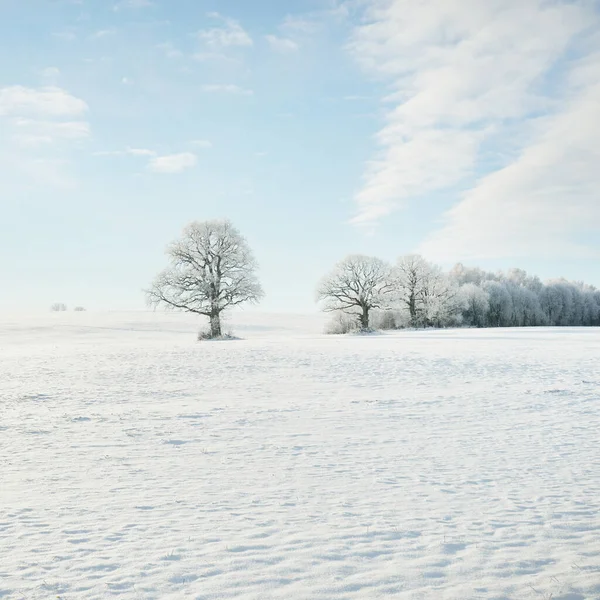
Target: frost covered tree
500,304
557,302
211,270
526,307
591,305
423,296
428,295
357,285
519,279
475,304
463,275
410,274
439,301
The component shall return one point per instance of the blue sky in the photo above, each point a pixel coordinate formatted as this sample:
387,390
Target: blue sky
319,127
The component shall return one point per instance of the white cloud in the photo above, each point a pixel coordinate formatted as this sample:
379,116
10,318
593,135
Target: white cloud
128,151
165,164
281,44
231,34
41,126
102,33
173,163
542,202
228,88
46,101
299,25
31,132
465,73
140,152
201,143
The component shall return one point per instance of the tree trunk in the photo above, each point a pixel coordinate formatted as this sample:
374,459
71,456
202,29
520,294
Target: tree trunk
215,325
364,318
412,308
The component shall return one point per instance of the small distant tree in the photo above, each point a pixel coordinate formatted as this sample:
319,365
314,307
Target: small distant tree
58,307
211,270
357,285
79,309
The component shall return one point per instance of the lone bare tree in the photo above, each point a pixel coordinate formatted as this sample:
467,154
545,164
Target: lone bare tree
212,269
357,285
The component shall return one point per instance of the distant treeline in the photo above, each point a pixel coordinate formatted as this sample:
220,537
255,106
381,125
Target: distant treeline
365,292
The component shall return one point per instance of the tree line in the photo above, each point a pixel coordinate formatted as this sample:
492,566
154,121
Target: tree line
212,269
368,292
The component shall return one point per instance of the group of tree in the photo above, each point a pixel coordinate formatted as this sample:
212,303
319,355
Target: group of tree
212,269
365,292
62,307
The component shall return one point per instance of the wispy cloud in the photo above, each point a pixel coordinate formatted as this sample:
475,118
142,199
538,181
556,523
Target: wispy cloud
463,75
173,163
282,44
157,163
66,35
140,152
230,34
50,75
132,4
102,33
201,143
355,98
46,101
543,202
127,151
227,88
298,24
216,57
36,119
31,132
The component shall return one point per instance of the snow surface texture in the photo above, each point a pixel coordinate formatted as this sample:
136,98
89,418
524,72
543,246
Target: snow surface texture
139,463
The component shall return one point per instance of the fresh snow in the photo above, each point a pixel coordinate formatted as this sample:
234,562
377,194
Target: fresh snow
137,462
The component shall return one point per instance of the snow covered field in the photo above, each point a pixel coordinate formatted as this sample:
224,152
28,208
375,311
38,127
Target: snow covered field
136,462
